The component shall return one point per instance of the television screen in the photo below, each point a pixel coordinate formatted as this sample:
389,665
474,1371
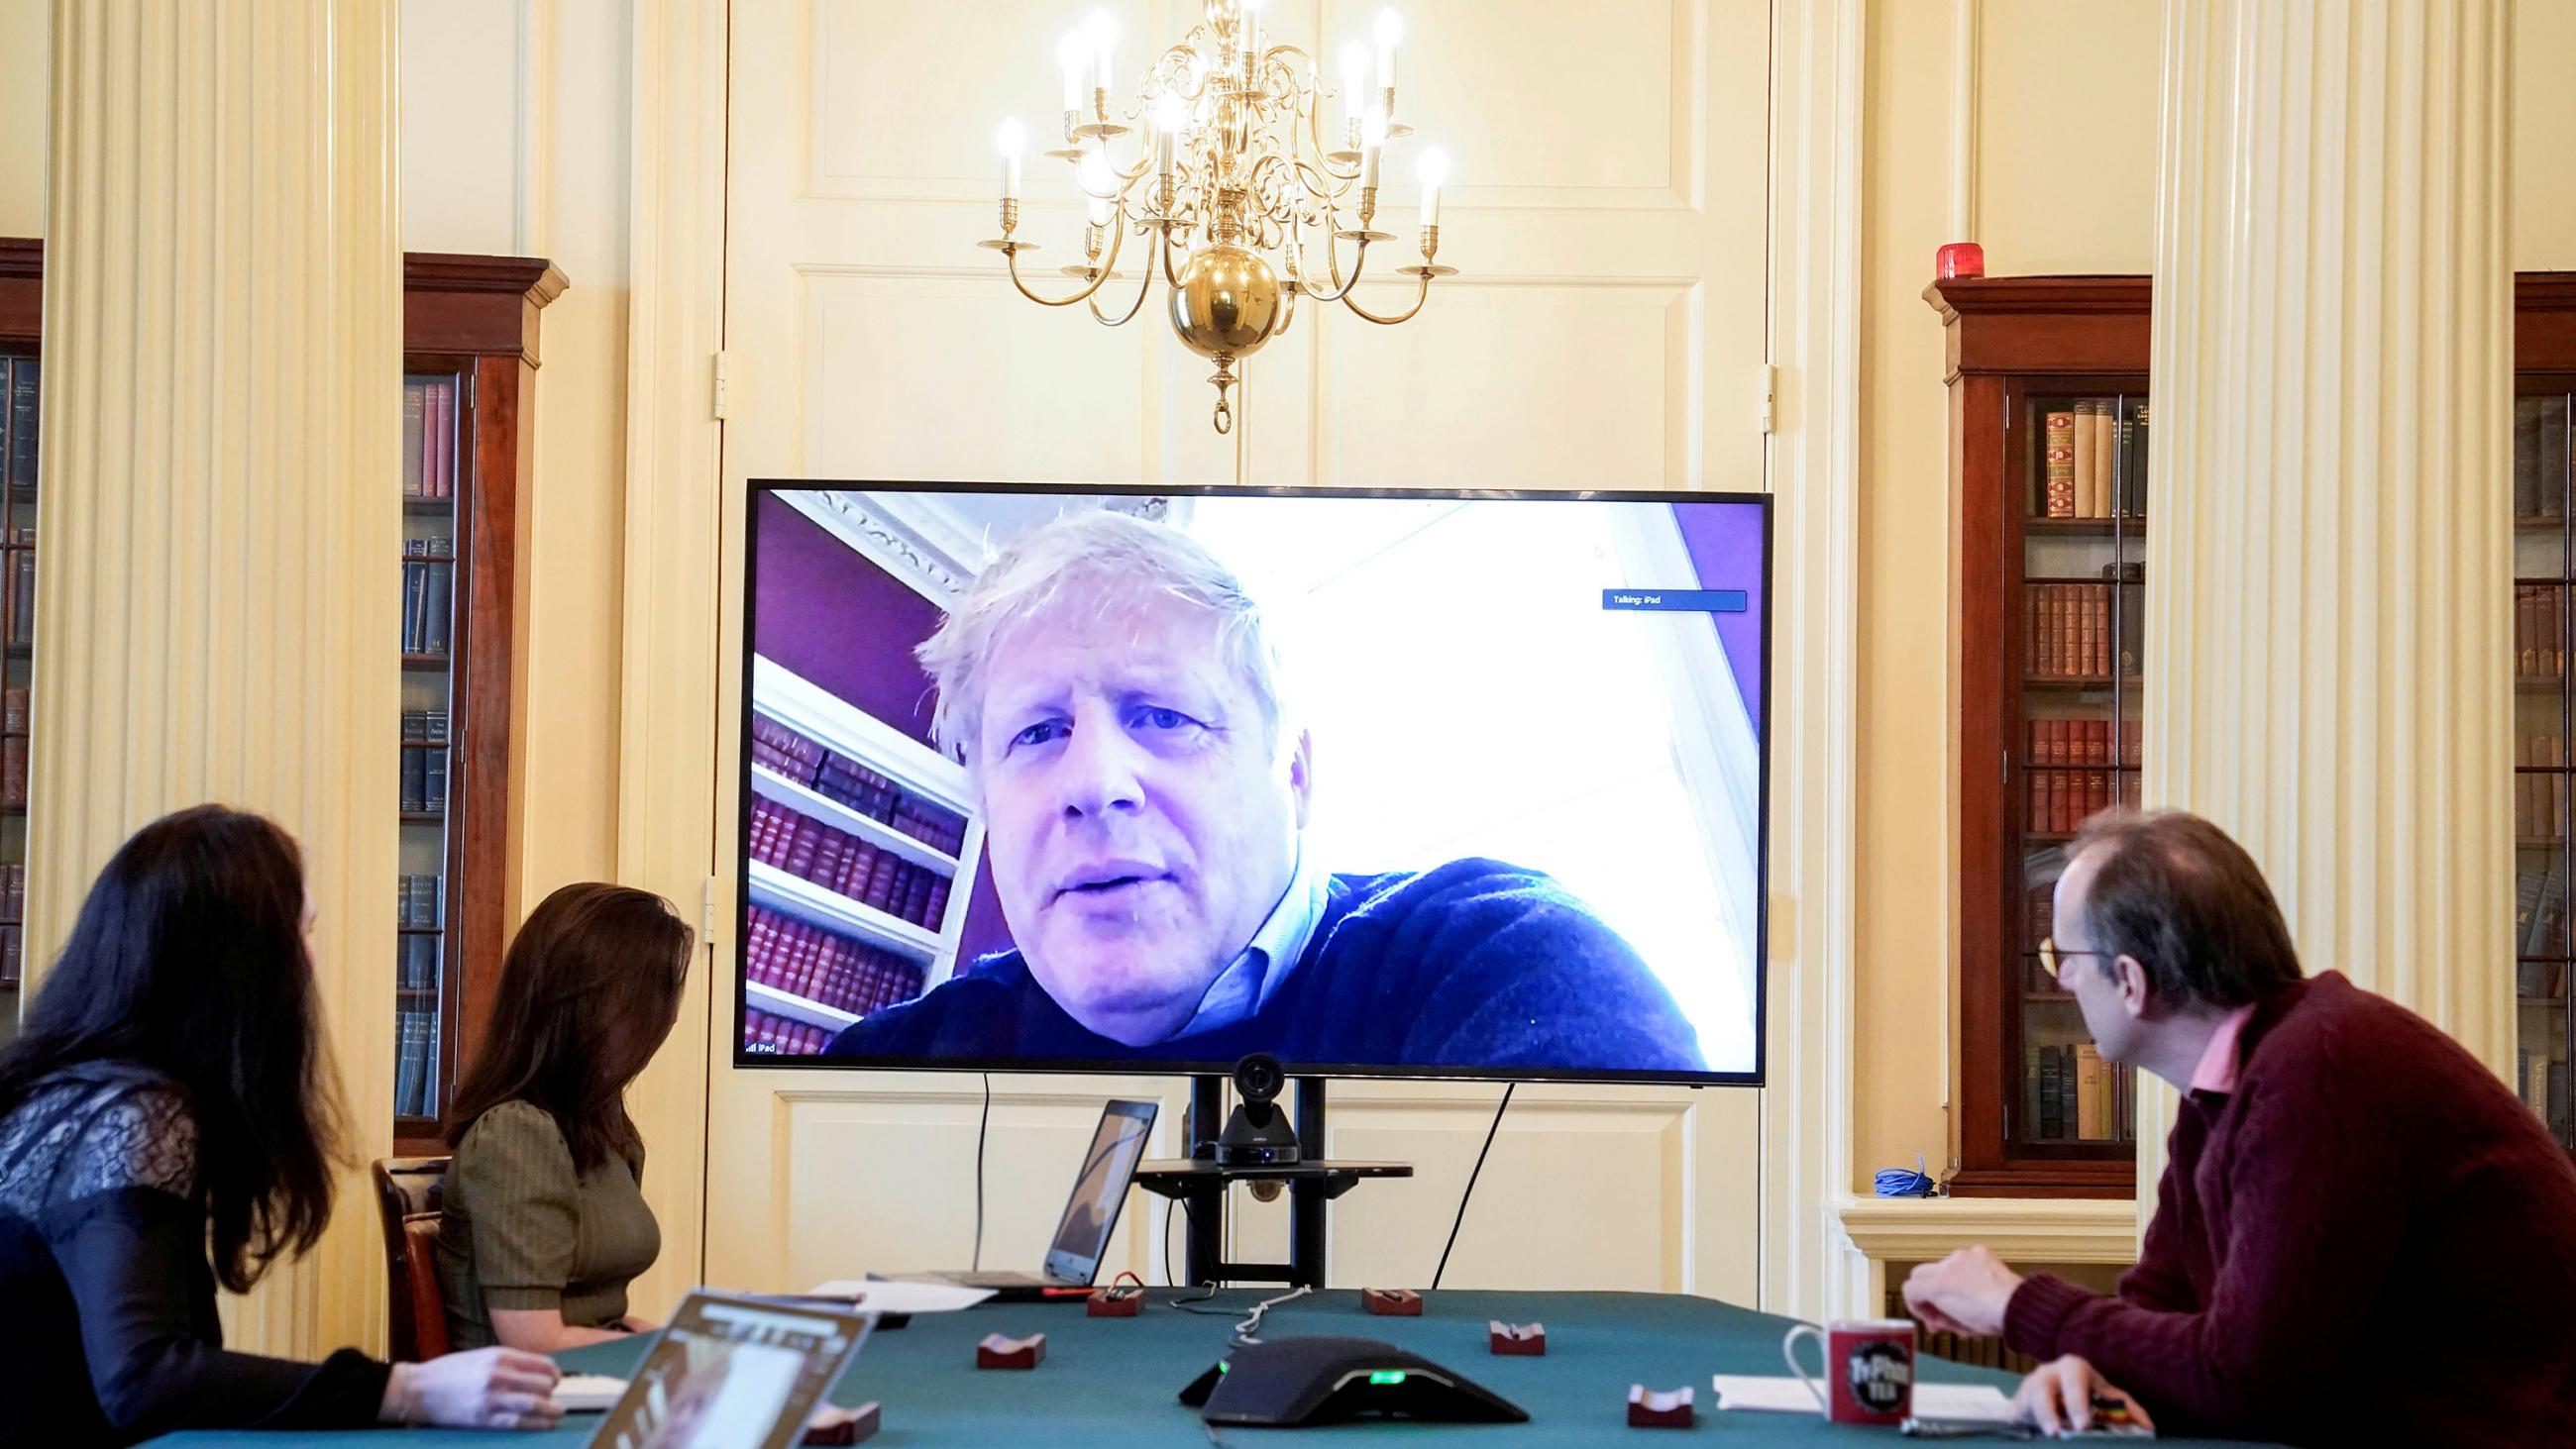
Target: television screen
1420,784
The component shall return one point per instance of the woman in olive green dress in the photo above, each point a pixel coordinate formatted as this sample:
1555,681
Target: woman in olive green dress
544,1222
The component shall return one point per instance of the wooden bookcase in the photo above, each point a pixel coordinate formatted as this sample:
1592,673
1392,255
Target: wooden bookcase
469,323
2049,690
469,361
2544,547
2019,348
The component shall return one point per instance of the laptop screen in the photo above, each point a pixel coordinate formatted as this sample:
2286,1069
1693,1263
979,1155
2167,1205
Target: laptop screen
1099,1190
732,1373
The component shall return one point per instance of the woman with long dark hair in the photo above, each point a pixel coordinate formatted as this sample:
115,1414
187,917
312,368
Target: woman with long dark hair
168,1121
545,1221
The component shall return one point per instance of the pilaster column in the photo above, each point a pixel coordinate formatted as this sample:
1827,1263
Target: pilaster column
217,613
2326,615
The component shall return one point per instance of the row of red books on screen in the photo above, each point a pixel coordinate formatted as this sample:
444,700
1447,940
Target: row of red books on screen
803,959
2540,801
2071,633
780,1036
845,865
2539,632
838,778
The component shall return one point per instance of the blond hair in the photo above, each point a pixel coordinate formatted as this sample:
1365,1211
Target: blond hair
1107,557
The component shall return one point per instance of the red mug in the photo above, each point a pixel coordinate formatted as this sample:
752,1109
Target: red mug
1868,1369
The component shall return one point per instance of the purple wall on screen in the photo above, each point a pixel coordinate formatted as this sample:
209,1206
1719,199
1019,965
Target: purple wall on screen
830,615
1725,542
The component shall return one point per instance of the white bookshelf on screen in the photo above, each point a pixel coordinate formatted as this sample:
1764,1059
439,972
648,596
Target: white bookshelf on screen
917,770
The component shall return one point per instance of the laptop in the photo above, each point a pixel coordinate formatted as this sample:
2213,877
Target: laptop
1090,1213
733,1372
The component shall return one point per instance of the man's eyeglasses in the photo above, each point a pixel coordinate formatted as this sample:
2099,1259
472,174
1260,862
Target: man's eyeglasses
2050,957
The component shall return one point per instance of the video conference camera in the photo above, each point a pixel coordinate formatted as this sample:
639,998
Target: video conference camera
1257,1133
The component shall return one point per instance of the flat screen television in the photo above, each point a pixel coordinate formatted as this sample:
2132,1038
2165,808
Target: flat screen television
1459,784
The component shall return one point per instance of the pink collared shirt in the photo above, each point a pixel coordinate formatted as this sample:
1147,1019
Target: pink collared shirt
2217,1069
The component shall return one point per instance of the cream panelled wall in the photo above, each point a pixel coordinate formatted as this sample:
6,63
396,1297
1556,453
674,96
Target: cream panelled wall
1607,333
221,348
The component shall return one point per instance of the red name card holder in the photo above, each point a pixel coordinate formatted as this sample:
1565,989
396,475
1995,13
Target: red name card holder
1392,1302
832,1426
998,1352
1670,1409
1516,1340
1116,1302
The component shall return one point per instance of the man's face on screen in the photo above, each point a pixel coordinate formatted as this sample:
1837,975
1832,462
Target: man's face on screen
1139,824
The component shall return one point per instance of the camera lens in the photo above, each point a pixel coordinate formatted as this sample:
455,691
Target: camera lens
1259,1077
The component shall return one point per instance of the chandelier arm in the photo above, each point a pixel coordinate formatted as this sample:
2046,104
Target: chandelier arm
1419,297
1117,238
1333,266
1170,278
1144,284
1308,171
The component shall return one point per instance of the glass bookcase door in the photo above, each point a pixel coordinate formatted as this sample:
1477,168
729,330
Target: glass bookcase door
2083,570
18,396
434,473
2544,569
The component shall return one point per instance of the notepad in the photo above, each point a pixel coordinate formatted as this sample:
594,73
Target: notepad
587,1393
1978,1403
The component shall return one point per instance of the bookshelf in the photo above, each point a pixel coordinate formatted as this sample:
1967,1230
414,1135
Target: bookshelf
469,363
859,843
2544,553
21,315
2018,349
2050,427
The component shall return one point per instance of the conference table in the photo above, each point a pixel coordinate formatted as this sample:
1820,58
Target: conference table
1116,1381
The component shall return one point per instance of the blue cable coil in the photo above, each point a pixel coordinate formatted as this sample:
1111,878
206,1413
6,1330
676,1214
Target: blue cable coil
1899,1182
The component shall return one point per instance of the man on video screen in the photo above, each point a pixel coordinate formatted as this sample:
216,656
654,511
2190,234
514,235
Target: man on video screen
1116,700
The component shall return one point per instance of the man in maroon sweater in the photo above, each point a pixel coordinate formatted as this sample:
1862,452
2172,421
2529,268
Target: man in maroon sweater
2360,1237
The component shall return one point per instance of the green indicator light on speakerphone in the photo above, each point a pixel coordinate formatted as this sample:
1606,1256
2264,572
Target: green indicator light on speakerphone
1387,1376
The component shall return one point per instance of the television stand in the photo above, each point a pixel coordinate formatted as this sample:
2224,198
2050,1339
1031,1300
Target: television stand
1198,1182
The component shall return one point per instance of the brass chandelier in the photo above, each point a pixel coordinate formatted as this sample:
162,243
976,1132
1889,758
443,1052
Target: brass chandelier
1236,173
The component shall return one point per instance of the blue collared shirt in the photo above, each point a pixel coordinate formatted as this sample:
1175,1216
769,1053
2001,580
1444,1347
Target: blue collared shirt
1255,974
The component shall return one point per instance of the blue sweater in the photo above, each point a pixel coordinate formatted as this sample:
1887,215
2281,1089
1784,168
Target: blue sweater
1473,964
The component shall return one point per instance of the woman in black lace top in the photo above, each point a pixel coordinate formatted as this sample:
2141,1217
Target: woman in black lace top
170,1097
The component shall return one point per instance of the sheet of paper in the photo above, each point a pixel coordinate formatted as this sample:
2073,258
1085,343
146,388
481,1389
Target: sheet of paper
874,1295
588,1393
1980,1402
1765,1395
1983,1403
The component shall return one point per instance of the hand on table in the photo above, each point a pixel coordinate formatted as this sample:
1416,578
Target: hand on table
1965,1292
487,1388
2058,1397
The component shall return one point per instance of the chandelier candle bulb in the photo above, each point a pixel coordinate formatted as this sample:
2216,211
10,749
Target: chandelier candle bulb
1098,186
1372,147
1102,27
1434,170
1355,88
1250,28
1169,118
1073,54
1390,34
1009,139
